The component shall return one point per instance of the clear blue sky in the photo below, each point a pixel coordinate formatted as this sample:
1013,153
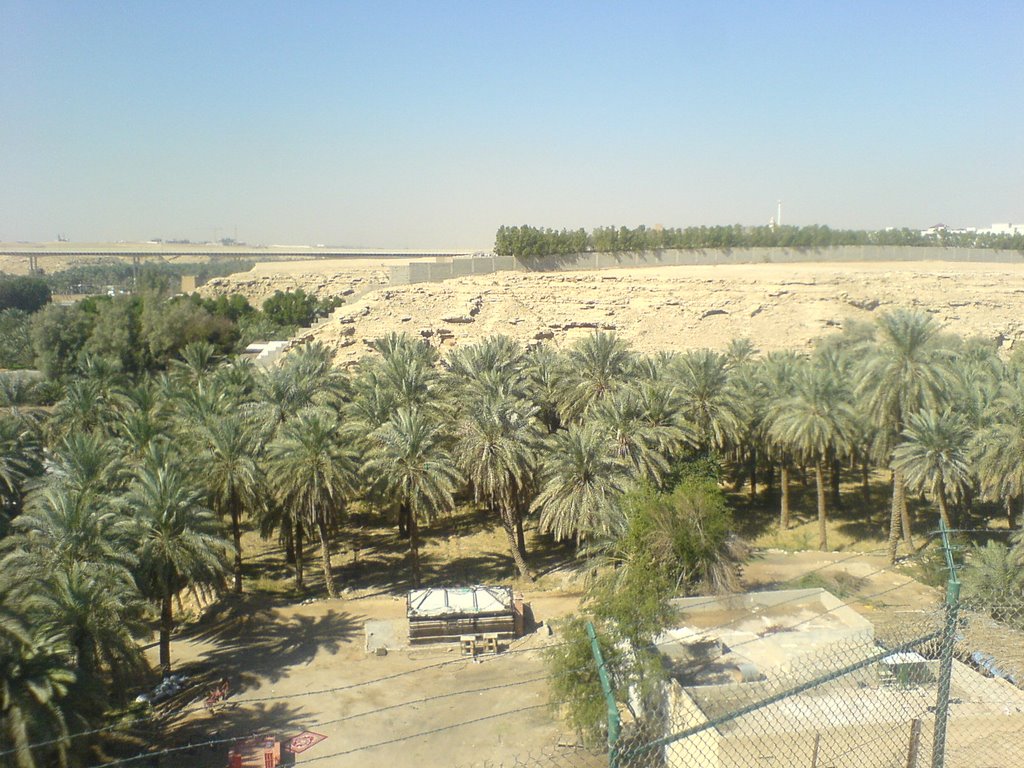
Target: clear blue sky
431,123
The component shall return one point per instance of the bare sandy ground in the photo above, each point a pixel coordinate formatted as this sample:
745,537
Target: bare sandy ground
777,306
298,667
325,278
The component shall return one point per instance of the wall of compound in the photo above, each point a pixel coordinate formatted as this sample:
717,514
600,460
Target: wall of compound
446,268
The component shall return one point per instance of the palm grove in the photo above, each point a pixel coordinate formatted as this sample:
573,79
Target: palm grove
131,493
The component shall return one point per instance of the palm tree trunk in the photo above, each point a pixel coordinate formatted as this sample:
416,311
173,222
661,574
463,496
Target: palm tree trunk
894,514
513,543
298,556
326,551
784,504
236,533
752,469
908,534
943,508
289,546
17,731
1008,505
166,623
414,544
819,476
403,521
835,477
520,535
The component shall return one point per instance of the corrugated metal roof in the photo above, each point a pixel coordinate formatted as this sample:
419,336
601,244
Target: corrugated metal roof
459,601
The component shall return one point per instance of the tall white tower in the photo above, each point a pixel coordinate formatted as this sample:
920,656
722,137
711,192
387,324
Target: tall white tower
778,216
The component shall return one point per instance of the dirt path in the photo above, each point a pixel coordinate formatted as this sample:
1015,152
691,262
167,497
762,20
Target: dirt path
304,667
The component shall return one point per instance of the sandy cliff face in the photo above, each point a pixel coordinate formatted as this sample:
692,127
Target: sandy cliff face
776,306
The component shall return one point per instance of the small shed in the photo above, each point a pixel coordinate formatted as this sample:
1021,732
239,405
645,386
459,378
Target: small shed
444,614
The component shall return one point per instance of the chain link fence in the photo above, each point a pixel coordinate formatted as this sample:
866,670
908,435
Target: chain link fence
798,678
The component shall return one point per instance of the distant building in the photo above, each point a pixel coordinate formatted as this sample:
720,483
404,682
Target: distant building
1003,228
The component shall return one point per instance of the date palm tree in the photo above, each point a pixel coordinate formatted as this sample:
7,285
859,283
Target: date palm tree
777,372
313,473
179,539
545,374
996,448
631,437
410,461
97,610
903,370
584,480
814,422
33,680
225,458
706,398
60,527
595,366
933,457
496,445
20,459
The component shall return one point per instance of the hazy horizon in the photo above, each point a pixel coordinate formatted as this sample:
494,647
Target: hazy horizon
411,125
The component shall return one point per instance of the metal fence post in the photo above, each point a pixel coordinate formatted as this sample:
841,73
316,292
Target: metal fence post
946,659
614,723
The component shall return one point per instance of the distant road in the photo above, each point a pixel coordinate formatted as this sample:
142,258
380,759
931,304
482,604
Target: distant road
252,253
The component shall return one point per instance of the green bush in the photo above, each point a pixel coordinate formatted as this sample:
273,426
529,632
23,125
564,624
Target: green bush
29,294
16,339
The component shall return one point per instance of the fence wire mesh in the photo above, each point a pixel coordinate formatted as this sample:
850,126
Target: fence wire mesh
941,687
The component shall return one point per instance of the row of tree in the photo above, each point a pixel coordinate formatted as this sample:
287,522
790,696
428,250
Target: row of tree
526,241
145,331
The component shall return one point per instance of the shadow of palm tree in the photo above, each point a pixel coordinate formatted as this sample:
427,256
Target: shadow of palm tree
250,638
203,741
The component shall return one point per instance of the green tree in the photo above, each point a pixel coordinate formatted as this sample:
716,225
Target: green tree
584,480
16,339
297,308
933,457
996,448
28,294
179,539
595,367
313,471
58,335
409,459
497,442
904,370
815,421
116,334
226,461
707,401
33,680
168,326
686,534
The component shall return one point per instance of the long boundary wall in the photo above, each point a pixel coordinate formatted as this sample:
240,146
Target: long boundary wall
445,268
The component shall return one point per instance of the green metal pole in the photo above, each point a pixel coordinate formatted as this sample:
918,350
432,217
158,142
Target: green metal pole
614,723
946,659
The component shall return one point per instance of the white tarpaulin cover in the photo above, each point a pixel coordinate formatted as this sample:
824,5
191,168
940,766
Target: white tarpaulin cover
448,601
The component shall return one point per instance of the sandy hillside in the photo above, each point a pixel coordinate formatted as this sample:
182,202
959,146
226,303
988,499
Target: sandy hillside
326,278
776,306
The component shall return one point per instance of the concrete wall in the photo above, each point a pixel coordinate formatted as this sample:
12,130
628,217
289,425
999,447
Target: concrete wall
446,268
